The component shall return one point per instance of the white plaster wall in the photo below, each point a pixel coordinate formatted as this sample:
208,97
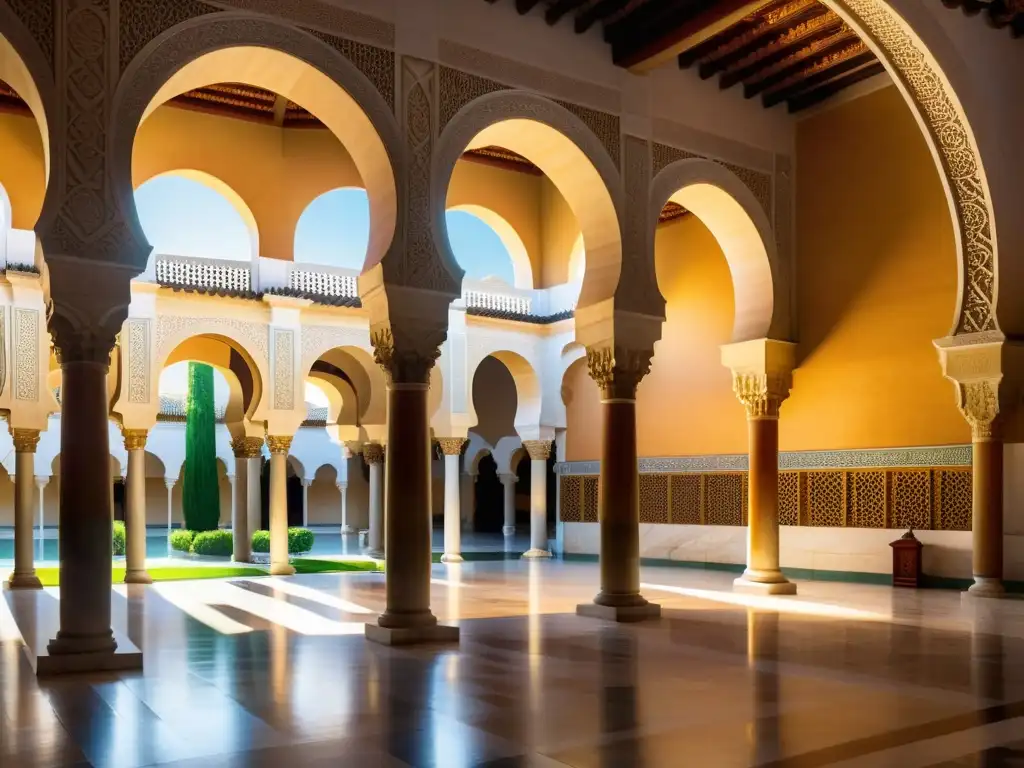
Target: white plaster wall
866,550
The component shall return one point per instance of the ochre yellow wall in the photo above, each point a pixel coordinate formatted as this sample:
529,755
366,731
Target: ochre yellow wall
22,169
559,231
876,283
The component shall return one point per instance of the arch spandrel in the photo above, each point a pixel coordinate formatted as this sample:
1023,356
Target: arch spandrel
727,207
238,47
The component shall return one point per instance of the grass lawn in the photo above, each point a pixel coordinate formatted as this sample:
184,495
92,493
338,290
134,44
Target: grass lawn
51,576
312,565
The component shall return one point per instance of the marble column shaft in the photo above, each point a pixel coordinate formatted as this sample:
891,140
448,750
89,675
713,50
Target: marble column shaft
539,452
85,522
508,487
987,515
24,574
135,508
279,447
452,449
373,454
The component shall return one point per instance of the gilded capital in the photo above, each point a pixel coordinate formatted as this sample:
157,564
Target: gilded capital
538,450
279,443
618,371
373,453
134,439
978,402
408,358
760,394
25,440
247,447
451,446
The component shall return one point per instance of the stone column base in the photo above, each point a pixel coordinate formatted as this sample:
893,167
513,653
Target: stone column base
531,554
986,588
137,577
282,569
24,581
376,554
348,530
446,558
508,530
432,633
619,613
747,586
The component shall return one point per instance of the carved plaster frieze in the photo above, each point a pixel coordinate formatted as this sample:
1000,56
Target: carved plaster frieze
171,330
378,64
38,20
26,354
409,356
762,374
877,23
317,340
637,290
3,350
758,182
761,395
284,369
323,16
618,372
138,360
884,458
140,21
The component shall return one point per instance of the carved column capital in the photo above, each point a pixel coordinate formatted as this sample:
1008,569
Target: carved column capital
373,453
506,478
247,447
25,440
538,450
451,446
279,443
406,359
170,482
978,402
135,439
618,371
762,374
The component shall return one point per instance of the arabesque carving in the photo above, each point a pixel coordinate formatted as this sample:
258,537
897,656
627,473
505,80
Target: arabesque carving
618,373
279,444
373,453
134,439
760,394
451,446
247,447
978,401
408,359
538,450
25,440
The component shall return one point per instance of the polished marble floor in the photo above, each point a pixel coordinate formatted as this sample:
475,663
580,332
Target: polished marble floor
271,671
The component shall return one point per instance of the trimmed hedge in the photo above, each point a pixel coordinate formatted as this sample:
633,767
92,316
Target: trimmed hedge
181,541
216,543
299,540
118,533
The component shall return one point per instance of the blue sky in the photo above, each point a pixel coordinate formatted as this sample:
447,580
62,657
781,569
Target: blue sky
184,217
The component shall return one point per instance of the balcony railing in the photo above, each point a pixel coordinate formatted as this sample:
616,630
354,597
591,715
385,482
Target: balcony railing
324,281
207,274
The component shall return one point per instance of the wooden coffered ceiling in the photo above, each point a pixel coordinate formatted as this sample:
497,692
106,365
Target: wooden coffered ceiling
796,52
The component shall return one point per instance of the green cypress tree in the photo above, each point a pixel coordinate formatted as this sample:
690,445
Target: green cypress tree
202,491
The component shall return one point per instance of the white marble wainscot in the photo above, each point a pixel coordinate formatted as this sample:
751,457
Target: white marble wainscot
862,550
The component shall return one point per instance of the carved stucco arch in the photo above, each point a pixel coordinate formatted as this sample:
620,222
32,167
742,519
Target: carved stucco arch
247,339
367,378
25,68
912,63
727,207
522,268
529,394
568,153
247,48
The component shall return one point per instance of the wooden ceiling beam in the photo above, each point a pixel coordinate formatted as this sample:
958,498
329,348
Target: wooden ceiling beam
648,53
817,95
783,46
280,110
599,10
834,48
554,12
817,74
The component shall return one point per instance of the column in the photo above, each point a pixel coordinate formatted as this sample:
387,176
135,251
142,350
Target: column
451,447
539,451
279,446
24,574
135,508
346,529
169,483
253,451
508,487
373,454
240,535
41,482
306,482
976,370
762,374
617,375
407,617
86,546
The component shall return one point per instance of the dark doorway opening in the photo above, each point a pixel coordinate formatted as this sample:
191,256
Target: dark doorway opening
119,501
489,509
293,492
